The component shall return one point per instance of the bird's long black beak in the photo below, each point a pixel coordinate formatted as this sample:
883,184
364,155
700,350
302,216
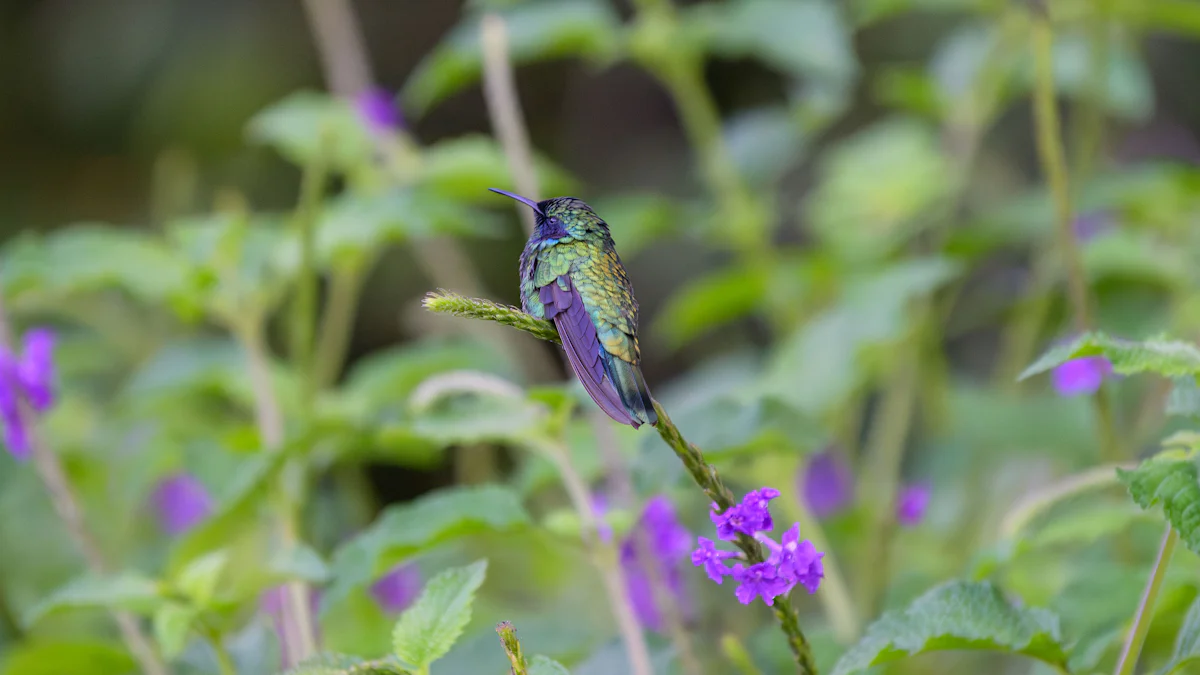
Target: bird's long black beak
524,200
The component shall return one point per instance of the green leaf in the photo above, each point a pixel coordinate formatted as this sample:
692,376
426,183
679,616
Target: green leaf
711,301
88,257
1187,642
867,220
341,664
1162,355
1136,255
1171,482
800,38
431,626
764,143
307,123
406,529
1184,399
198,580
816,367
462,169
544,665
466,407
129,591
58,657
172,622
957,616
537,31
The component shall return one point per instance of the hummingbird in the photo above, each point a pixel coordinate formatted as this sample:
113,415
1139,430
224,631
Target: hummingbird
571,275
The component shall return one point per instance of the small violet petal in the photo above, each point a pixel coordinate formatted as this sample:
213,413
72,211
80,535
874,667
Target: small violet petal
182,502
1081,376
826,484
397,589
912,504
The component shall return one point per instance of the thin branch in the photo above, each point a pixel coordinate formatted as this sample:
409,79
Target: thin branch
1145,611
66,505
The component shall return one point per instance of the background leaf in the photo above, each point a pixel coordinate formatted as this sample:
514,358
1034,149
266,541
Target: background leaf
544,665
129,591
957,615
428,629
1187,643
1171,358
1171,483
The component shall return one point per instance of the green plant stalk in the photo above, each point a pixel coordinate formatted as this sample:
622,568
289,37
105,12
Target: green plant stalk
337,321
1145,611
304,306
1090,126
212,636
604,555
702,473
886,453
735,652
1054,165
512,647
1036,503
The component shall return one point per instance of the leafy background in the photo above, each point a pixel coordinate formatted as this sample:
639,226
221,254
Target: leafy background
840,235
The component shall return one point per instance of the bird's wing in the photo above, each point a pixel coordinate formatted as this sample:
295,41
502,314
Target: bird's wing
563,305
608,295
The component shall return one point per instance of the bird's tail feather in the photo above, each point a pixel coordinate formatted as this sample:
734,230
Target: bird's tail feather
631,386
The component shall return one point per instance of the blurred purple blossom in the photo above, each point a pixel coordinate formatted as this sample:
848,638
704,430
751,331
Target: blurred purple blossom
377,108
669,543
792,561
1091,224
912,504
29,378
396,590
273,603
182,502
600,508
826,484
1081,376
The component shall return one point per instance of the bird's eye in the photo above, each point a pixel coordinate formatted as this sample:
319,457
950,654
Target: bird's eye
552,221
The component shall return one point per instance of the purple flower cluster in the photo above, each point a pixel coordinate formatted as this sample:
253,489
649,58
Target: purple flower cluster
397,589
27,379
668,542
912,504
792,560
377,109
1081,376
182,502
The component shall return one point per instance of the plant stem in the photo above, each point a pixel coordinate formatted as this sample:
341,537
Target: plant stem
298,626
337,322
304,309
225,663
889,434
1035,503
512,647
1054,165
1145,611
604,554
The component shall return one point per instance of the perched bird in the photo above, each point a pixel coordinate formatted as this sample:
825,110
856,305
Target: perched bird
571,275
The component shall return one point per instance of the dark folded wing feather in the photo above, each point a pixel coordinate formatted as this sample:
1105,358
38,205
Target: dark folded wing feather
565,308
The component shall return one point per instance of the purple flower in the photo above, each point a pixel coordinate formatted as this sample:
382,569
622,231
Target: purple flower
912,504
826,484
182,503
711,557
377,109
792,561
1081,376
749,517
798,560
758,581
396,590
29,379
669,543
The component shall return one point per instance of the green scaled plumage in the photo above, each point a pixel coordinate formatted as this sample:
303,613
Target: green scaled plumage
571,275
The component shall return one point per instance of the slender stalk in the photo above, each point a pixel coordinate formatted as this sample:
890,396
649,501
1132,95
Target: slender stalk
337,322
1145,611
225,663
1035,503
1054,165
304,309
298,626
889,434
66,505
604,554
512,648
737,655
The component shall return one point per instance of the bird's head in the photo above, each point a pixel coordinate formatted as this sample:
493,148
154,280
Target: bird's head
560,216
